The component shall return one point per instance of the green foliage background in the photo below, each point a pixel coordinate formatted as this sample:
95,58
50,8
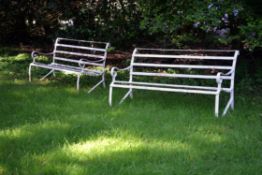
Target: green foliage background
205,23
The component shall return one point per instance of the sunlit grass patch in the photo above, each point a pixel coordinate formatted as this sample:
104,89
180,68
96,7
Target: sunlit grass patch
107,146
2,170
92,155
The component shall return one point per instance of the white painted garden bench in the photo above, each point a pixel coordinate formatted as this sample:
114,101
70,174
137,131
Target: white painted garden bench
75,56
217,66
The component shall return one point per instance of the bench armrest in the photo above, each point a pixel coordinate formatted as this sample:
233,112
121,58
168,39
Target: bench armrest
219,74
114,70
228,73
34,54
219,81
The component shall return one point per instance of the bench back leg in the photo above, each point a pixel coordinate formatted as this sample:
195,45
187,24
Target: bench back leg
96,85
103,79
50,72
230,103
131,93
232,97
126,95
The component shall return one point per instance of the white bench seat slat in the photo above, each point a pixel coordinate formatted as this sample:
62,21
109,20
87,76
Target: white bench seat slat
169,85
179,75
67,68
165,89
182,66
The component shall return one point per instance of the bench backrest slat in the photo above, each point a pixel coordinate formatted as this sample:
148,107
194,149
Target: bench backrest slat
79,54
182,66
81,47
179,75
83,41
186,50
184,57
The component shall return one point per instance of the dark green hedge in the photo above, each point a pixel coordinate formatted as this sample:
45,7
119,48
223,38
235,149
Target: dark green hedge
206,23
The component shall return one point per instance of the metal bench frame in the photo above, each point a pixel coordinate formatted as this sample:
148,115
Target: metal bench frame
80,64
219,77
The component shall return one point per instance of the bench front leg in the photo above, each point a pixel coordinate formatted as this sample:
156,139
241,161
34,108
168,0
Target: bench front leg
110,95
104,80
219,81
113,73
78,82
29,72
217,104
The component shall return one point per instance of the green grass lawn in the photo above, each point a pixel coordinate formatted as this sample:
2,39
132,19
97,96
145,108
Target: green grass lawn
48,128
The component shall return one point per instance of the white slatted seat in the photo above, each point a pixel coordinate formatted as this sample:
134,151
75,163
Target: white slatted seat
158,62
75,56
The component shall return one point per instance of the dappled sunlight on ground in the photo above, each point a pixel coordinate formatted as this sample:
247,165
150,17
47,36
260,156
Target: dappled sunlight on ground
3,169
107,146
103,151
29,130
